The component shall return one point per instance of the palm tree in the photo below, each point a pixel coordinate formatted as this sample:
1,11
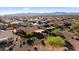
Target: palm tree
55,42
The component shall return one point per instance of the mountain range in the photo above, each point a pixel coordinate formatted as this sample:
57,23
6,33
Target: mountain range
43,14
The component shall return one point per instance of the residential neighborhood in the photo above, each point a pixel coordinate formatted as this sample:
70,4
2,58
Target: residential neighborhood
39,31
36,33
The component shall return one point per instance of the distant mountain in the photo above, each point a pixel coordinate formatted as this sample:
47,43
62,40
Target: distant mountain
43,14
63,13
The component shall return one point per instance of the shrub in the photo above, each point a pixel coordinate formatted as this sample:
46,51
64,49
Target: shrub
56,32
55,41
75,26
29,34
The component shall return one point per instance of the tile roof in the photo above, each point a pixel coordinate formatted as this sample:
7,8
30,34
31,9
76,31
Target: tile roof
30,29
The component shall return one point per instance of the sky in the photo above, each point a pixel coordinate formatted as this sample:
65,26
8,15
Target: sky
14,10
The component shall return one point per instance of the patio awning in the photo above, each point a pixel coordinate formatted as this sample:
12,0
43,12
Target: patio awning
39,30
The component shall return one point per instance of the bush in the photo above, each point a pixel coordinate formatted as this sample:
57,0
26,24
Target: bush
56,32
75,26
29,34
1,21
55,41
30,41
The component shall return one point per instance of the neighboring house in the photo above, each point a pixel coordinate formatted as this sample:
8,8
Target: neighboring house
31,29
6,40
15,22
22,31
3,26
46,27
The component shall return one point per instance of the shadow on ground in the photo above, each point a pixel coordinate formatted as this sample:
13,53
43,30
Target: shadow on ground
69,46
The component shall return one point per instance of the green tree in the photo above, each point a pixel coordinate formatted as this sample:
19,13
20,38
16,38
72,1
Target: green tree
11,26
56,32
1,21
75,26
55,42
29,34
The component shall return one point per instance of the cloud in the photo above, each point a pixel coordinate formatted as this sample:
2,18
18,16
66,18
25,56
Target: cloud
26,8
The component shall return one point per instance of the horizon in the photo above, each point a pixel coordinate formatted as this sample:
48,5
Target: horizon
15,10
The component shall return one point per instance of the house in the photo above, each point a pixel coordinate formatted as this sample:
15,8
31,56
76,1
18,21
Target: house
31,29
47,27
3,26
6,40
34,29
15,22
19,32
